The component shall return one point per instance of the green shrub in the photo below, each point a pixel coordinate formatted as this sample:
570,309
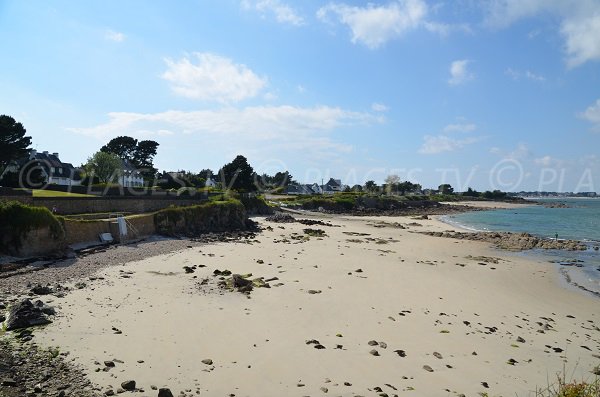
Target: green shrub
18,219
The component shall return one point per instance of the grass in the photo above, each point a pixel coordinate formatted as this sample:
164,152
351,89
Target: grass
52,193
572,388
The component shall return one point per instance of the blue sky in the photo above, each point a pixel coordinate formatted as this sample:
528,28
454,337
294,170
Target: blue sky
491,94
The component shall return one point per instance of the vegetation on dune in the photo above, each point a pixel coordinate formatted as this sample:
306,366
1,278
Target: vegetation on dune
17,219
571,389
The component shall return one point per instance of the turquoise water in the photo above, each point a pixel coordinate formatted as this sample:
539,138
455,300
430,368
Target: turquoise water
579,222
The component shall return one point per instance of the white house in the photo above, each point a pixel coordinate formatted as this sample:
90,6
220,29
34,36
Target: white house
53,170
210,182
130,176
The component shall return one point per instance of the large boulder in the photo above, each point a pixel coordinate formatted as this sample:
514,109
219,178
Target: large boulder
25,314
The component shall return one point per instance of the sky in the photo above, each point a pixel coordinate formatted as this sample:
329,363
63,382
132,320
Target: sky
489,94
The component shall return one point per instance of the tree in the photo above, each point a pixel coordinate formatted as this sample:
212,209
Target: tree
139,154
471,193
14,145
446,189
371,186
408,187
238,175
390,183
30,175
357,188
143,158
105,166
282,179
206,173
123,146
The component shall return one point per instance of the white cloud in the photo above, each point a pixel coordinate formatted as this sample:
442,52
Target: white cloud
521,152
579,23
592,114
459,72
282,12
257,128
444,29
534,76
212,78
549,161
517,75
460,127
114,36
442,143
379,107
582,38
374,25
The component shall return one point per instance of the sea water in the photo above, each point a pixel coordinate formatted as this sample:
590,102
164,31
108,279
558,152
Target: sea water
579,221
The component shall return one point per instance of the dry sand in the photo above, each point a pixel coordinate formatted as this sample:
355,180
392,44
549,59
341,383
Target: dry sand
430,299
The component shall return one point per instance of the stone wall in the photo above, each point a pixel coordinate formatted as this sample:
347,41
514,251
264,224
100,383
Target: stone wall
85,231
89,231
37,242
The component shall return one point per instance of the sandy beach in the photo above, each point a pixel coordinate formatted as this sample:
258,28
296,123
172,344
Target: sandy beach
369,308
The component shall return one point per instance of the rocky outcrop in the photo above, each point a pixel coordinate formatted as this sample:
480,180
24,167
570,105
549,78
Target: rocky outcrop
513,241
27,314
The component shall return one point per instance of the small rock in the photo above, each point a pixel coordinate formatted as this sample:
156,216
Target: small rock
437,355
427,368
41,290
373,343
207,361
324,389
128,385
401,353
520,340
164,392
374,353
9,382
109,363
